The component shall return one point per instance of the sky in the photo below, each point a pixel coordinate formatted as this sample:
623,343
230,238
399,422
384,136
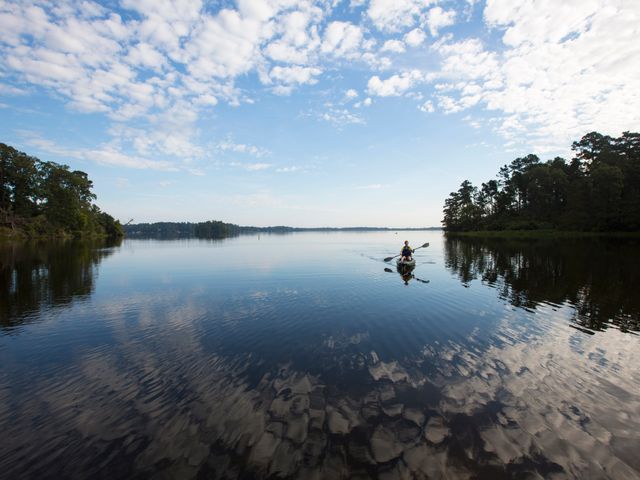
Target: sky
309,113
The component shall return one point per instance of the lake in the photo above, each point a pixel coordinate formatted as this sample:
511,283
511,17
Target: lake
306,356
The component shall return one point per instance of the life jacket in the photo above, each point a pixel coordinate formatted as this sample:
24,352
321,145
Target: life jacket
406,251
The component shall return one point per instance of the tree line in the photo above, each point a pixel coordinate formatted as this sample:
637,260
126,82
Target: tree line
219,229
597,190
208,229
48,199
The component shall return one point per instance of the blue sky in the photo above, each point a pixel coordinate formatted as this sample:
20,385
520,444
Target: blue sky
309,113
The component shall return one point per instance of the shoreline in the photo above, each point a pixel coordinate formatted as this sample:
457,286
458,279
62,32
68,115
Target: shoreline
8,236
540,234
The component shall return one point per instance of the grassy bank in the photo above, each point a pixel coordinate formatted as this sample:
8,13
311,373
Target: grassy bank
543,234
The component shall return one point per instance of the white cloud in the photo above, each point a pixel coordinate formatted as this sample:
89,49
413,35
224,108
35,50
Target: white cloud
160,52
341,117
197,172
170,132
449,104
225,45
206,100
471,122
229,145
395,85
467,59
415,37
373,186
438,18
283,90
351,94
252,167
376,62
258,166
299,37
396,46
165,23
294,75
106,154
146,55
11,90
113,158
427,107
290,169
468,9
155,67
342,39
538,22
396,15
564,70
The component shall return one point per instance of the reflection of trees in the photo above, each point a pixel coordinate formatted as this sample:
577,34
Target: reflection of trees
598,277
34,275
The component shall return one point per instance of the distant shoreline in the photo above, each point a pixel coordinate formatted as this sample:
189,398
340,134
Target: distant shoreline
216,229
295,229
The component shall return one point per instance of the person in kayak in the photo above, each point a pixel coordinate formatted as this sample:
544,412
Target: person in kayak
406,252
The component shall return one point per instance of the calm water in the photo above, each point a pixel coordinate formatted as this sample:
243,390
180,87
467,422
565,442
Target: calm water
305,356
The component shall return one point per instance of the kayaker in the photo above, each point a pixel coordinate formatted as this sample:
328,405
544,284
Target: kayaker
406,252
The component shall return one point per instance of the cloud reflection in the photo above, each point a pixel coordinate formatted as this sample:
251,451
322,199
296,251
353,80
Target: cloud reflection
158,400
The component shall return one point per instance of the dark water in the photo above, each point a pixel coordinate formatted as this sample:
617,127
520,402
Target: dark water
300,356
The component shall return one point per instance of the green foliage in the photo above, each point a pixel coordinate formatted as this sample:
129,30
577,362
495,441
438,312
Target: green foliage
599,190
48,199
216,229
160,230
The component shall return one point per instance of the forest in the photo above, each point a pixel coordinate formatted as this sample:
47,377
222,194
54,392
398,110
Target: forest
598,190
45,199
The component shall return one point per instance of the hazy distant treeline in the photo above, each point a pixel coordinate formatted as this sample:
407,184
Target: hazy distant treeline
597,190
44,198
218,229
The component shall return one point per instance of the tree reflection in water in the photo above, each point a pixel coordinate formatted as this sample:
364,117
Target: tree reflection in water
597,277
35,276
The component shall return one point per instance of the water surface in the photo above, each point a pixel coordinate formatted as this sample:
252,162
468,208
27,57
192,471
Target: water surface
305,356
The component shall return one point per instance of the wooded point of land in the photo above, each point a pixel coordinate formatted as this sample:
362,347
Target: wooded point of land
598,190
45,199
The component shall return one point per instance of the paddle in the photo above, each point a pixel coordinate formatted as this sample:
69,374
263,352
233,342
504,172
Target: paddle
391,258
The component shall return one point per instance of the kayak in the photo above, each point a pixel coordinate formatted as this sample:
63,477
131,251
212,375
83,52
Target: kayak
406,263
